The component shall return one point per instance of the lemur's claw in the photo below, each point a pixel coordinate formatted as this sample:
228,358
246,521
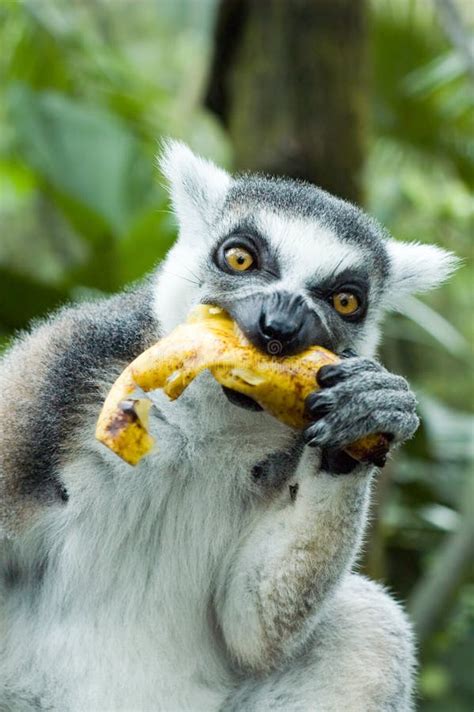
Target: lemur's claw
328,376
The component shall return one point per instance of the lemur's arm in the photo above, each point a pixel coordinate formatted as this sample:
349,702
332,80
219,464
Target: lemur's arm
290,563
301,547
49,380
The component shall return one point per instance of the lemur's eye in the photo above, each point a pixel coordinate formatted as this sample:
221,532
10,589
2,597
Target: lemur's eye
345,303
239,258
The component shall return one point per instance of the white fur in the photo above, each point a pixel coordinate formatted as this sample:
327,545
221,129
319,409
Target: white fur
417,268
198,188
307,249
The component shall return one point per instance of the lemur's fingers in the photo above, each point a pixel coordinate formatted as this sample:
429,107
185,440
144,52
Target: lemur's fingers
363,368
359,404
327,433
350,389
390,412
356,397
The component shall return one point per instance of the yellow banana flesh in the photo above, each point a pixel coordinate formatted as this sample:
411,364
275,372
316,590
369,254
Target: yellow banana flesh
210,339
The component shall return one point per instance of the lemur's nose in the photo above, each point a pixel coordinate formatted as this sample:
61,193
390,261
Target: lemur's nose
280,323
282,317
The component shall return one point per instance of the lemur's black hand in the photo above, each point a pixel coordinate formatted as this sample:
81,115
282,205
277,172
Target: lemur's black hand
358,396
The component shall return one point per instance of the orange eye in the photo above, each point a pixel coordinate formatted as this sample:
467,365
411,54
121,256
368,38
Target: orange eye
239,258
345,303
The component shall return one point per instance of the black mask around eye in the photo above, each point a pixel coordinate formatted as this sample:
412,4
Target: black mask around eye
279,323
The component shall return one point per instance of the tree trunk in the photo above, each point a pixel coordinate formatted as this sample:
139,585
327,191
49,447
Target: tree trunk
289,81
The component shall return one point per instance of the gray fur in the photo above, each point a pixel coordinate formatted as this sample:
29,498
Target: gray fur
304,200
273,473
49,377
217,574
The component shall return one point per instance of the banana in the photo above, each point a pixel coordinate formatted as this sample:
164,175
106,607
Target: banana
210,339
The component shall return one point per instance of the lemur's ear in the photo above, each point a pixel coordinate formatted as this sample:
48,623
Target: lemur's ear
417,268
197,187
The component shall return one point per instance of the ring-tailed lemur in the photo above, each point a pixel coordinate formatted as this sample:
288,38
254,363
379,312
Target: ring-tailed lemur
217,574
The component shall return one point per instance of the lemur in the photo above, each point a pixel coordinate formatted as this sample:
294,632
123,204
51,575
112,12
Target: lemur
217,575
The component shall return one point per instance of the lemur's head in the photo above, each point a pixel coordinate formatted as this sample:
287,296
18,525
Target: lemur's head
293,265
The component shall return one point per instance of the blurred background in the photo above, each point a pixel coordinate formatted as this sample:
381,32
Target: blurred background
372,101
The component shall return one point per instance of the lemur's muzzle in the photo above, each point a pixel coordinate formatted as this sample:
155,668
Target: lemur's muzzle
279,323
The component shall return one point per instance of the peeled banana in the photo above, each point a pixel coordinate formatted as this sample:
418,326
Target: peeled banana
210,339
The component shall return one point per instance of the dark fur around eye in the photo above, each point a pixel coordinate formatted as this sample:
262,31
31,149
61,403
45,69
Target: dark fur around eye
255,244
348,281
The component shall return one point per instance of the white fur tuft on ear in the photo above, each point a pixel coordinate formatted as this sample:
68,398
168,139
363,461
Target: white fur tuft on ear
417,268
197,186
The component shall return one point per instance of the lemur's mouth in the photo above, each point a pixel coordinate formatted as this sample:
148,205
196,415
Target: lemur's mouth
241,400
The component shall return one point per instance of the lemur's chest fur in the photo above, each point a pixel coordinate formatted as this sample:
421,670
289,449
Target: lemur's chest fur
138,555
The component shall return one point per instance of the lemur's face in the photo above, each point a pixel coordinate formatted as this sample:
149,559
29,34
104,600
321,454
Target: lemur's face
293,265
289,281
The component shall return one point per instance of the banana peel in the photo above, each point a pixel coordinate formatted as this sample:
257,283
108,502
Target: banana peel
210,339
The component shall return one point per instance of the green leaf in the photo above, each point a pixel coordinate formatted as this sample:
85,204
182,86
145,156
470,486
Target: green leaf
435,74
83,152
146,244
449,431
22,299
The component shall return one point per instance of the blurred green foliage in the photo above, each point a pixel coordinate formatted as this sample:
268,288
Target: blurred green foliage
86,91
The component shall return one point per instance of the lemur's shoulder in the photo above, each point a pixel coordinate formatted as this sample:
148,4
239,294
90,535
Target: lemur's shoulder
48,377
